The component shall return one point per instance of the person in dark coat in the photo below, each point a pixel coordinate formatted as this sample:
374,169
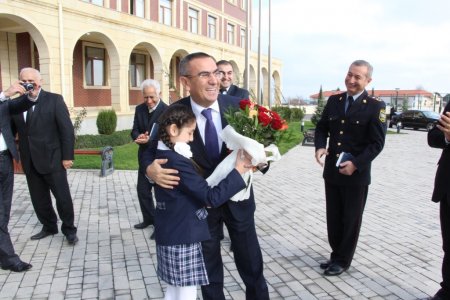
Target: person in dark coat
355,126
226,83
180,217
46,146
439,137
9,260
146,114
200,76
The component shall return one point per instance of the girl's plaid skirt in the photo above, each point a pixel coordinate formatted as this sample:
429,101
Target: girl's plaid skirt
182,265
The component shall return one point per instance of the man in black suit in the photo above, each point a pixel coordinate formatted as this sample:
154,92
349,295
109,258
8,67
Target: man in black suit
9,260
200,76
439,137
145,116
226,83
46,146
355,123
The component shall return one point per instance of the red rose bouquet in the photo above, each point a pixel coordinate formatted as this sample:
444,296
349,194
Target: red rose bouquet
257,122
253,128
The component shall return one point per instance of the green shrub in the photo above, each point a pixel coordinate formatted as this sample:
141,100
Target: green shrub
106,121
297,114
289,114
89,141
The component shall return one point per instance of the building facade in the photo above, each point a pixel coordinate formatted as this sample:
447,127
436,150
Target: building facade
97,52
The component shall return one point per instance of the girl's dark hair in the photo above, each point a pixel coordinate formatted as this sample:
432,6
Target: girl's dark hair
177,114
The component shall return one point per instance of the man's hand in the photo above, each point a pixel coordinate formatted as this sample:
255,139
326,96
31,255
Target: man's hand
347,168
319,153
67,164
15,88
444,125
142,138
165,178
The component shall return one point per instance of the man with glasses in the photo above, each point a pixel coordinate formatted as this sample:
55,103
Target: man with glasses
226,82
200,76
146,114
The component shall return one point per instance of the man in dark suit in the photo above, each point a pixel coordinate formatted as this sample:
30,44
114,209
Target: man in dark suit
200,76
9,260
439,137
355,123
226,83
46,146
145,116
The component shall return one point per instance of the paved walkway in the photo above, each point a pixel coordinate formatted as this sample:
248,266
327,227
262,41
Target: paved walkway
398,255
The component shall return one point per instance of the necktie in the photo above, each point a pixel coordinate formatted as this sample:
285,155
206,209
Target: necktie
29,113
211,139
349,103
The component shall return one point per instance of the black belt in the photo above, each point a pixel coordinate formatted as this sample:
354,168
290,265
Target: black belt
4,152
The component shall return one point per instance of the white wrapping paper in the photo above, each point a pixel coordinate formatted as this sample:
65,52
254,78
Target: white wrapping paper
236,141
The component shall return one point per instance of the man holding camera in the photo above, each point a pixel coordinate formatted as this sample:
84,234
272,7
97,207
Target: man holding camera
46,145
9,260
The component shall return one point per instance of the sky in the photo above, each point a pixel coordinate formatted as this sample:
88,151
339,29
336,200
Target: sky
406,41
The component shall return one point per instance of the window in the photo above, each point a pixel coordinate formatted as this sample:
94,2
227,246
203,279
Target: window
242,37
193,20
165,12
137,7
212,27
230,34
97,2
244,4
95,66
137,69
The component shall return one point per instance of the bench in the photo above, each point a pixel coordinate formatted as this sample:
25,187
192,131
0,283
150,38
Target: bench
308,139
107,159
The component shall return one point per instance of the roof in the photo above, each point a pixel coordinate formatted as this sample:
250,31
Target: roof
380,93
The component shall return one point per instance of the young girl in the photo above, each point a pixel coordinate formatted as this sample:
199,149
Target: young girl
180,218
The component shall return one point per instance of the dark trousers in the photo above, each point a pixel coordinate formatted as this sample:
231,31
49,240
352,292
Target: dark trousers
247,255
7,255
445,229
345,206
40,186
144,192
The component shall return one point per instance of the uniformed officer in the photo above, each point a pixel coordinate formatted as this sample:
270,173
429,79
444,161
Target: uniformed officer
356,125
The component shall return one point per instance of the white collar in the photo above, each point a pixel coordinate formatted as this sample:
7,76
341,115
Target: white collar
181,148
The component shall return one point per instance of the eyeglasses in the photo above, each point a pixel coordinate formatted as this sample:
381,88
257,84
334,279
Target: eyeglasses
206,75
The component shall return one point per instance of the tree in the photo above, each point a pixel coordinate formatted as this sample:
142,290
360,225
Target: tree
319,110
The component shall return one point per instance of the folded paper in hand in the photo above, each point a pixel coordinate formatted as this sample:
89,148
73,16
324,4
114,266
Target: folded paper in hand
343,157
236,141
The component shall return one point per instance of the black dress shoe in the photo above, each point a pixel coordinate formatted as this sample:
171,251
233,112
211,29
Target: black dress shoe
440,295
42,235
18,267
72,239
142,225
335,269
324,265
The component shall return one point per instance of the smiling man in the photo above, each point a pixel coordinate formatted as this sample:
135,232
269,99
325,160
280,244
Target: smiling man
226,82
355,124
200,76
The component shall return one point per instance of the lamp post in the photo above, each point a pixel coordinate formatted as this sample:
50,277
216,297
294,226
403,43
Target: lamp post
396,98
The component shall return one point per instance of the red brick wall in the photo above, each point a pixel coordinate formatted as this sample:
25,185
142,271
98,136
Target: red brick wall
125,6
234,11
135,97
113,4
23,50
82,96
154,11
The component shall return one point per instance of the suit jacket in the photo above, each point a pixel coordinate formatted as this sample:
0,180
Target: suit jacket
176,221
48,138
436,139
361,131
238,92
241,210
8,108
142,122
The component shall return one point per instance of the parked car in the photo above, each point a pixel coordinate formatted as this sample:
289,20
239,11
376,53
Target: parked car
418,119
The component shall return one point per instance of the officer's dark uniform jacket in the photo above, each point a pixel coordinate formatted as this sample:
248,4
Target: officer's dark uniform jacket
361,131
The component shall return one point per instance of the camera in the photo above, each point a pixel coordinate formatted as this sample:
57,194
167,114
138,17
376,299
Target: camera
28,86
